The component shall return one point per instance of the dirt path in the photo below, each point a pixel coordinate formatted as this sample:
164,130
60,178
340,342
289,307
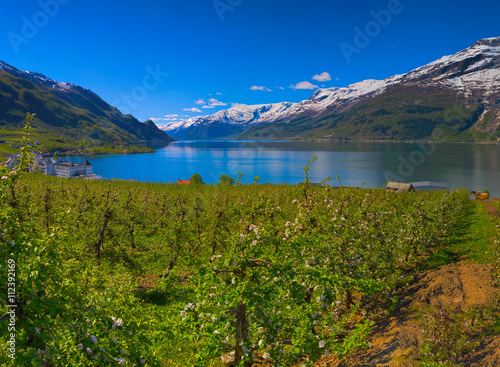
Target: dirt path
490,208
396,339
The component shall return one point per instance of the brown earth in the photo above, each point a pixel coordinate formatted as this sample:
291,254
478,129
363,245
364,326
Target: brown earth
490,208
396,339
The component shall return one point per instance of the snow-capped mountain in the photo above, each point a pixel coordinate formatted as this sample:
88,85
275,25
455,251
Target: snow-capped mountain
471,76
247,116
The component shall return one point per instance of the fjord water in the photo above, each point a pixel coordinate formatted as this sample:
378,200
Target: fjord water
470,166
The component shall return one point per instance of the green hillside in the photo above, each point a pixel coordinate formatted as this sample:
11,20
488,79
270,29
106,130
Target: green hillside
66,118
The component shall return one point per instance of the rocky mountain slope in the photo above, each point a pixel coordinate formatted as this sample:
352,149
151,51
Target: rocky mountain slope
67,111
454,98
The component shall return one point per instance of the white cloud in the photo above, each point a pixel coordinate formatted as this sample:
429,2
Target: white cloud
257,87
154,119
200,101
219,94
212,103
304,85
215,102
323,77
170,116
194,109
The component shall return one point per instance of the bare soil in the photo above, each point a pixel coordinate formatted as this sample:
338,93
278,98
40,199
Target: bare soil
396,339
490,208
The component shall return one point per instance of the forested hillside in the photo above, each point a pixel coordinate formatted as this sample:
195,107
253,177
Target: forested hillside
66,114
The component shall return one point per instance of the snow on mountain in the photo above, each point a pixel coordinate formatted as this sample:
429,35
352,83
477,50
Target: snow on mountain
37,78
238,114
475,70
242,114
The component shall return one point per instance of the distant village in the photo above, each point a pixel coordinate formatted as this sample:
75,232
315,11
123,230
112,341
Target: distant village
52,166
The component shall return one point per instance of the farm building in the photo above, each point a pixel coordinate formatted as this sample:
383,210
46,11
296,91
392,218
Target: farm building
430,186
399,187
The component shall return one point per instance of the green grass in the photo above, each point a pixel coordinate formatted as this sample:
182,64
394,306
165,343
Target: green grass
472,239
7,149
478,241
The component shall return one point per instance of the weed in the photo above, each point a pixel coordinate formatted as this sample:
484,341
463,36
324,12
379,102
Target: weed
449,338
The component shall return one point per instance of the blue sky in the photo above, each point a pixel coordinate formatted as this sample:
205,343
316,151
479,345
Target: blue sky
171,59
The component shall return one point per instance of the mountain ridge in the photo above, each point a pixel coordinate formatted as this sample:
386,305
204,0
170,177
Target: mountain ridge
67,112
462,84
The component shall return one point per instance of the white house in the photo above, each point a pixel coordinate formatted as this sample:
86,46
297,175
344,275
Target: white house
56,167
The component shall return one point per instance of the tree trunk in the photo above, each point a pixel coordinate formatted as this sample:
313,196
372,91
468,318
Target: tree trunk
100,238
241,333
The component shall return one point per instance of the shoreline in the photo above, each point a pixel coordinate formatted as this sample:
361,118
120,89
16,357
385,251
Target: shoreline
346,141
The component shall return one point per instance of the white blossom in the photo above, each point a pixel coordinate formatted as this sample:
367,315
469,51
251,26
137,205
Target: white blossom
322,344
118,322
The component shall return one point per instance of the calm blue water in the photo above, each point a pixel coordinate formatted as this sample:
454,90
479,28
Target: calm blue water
472,166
